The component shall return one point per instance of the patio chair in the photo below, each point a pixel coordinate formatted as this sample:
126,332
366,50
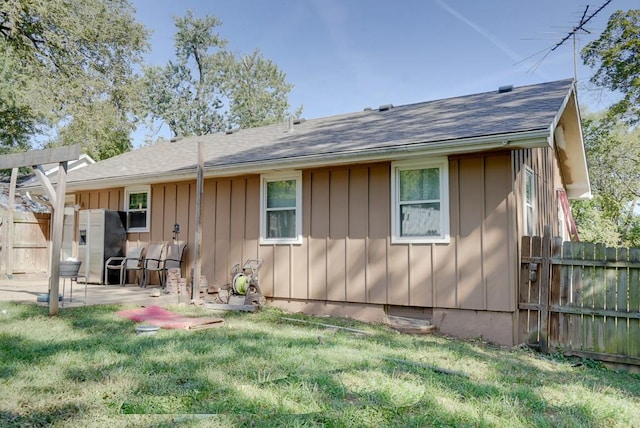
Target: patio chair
131,261
172,259
175,253
153,262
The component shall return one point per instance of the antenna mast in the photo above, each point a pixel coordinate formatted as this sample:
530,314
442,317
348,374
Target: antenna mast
574,31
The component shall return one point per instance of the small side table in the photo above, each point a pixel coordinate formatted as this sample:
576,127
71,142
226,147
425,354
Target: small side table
72,279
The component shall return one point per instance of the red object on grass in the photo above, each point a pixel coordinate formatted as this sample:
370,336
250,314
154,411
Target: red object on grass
158,316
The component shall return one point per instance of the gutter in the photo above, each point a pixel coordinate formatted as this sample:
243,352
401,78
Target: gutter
521,140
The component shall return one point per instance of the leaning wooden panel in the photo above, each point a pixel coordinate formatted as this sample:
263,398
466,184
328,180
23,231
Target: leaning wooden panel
319,235
379,224
500,287
222,264
471,293
421,276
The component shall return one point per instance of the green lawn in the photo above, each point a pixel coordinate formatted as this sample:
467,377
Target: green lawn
88,367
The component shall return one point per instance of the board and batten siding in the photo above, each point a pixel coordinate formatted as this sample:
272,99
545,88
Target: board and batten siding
347,256
544,164
346,253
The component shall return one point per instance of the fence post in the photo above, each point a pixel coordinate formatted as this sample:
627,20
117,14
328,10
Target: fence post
545,283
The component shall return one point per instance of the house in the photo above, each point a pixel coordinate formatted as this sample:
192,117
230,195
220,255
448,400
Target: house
413,210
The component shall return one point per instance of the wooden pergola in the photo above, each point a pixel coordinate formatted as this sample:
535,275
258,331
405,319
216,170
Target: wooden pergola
36,159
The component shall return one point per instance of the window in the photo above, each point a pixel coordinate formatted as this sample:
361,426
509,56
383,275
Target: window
281,209
420,198
529,202
137,202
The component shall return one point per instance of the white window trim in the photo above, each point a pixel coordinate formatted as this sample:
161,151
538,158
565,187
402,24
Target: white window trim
396,167
264,179
138,189
528,172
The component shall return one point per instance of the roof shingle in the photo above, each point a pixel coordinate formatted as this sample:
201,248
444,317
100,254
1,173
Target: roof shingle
524,109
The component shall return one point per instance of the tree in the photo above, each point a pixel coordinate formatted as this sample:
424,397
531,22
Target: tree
77,57
17,121
257,90
207,89
185,94
612,146
613,158
616,55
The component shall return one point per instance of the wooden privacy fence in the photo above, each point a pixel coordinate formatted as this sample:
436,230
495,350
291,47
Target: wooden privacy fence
580,298
24,243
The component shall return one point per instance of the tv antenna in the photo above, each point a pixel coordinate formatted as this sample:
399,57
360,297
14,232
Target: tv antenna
572,34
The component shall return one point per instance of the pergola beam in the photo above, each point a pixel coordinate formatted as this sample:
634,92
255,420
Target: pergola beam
40,157
37,158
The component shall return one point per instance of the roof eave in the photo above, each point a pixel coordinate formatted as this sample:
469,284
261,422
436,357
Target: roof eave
407,149
569,143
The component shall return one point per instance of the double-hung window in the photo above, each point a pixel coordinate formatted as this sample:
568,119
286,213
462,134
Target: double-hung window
420,198
137,202
281,208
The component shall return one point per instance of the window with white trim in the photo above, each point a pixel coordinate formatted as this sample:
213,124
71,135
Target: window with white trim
420,198
529,191
281,208
137,204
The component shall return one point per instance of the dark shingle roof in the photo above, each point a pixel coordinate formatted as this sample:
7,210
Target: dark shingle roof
524,109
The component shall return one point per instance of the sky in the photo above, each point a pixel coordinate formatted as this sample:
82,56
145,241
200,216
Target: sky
345,55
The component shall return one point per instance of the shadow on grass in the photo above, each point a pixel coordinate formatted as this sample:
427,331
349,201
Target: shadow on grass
260,370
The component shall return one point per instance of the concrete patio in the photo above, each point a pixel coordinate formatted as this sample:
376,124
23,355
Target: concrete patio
27,289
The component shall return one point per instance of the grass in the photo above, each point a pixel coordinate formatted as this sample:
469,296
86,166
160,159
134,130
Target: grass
88,367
